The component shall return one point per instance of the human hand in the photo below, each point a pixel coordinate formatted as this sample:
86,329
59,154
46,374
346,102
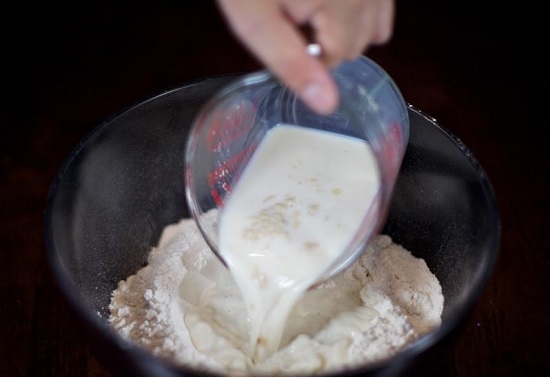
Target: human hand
344,29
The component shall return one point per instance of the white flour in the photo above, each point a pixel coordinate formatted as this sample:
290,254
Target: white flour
184,306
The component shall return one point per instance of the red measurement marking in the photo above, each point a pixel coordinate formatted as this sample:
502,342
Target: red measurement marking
220,179
228,126
217,197
390,150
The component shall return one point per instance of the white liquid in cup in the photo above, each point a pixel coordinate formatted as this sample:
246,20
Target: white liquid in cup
291,215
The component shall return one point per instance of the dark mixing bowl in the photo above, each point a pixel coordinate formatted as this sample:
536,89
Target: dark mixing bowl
125,182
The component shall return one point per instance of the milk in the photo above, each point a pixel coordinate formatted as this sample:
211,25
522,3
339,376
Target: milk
292,213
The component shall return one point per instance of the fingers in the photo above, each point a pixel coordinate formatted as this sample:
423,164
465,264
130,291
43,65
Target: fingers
343,28
344,32
267,31
335,29
386,19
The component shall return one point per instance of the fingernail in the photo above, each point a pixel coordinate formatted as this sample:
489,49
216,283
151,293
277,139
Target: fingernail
320,98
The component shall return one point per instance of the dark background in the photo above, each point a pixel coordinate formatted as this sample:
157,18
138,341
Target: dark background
481,72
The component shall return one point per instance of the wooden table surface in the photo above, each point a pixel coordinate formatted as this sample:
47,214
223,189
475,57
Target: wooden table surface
479,72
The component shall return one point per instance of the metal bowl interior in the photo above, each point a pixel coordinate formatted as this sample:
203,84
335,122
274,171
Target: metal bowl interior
124,182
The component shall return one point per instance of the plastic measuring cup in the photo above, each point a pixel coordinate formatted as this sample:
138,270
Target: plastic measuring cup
230,126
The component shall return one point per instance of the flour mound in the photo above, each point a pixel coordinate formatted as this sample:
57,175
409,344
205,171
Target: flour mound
185,307
145,307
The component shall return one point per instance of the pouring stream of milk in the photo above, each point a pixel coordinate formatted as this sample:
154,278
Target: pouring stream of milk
294,210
